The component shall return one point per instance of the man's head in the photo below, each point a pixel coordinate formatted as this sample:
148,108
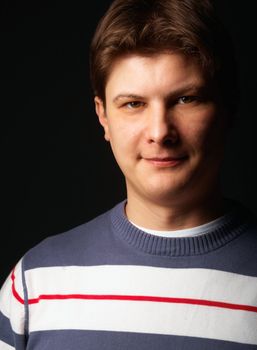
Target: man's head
190,27
164,83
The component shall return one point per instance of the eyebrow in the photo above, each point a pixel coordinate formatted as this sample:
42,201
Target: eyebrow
127,96
178,92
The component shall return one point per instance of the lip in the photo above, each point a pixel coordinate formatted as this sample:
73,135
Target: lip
166,162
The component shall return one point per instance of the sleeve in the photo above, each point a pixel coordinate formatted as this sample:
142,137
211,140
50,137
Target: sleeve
12,311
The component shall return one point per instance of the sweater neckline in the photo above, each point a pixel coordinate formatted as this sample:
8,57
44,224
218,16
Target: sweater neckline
179,246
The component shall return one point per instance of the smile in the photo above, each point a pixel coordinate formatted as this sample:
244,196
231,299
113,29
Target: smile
166,162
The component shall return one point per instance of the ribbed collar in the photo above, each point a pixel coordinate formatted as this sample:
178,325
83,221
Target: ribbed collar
236,224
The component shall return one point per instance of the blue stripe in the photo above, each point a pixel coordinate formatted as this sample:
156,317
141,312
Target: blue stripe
99,340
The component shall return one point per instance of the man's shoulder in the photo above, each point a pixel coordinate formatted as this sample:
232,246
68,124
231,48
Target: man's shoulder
70,246
80,231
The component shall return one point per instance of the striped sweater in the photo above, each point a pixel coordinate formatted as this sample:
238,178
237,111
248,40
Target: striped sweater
107,285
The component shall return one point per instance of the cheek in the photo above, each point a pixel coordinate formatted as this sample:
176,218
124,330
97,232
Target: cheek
123,142
202,132
195,134
124,133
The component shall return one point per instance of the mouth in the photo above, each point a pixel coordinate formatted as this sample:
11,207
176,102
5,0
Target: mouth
166,162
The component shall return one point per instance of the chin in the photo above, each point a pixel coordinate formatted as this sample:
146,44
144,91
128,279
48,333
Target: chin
165,194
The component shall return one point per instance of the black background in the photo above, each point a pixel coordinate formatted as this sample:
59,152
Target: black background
57,171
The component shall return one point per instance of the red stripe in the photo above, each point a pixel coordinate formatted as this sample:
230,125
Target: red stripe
190,301
15,293
201,302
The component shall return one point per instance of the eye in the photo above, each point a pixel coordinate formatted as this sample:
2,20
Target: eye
187,99
134,104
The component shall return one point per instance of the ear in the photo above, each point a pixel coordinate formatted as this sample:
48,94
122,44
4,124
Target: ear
100,111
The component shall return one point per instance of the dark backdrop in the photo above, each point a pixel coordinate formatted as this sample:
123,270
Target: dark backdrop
57,171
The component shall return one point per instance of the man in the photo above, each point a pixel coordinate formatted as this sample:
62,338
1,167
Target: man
174,265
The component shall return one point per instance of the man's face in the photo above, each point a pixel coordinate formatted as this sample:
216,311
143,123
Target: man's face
165,127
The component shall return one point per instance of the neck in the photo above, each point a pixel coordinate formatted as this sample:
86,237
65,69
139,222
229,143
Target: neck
156,216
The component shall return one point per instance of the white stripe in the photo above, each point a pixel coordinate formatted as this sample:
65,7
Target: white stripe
146,317
6,297
141,280
9,305
4,346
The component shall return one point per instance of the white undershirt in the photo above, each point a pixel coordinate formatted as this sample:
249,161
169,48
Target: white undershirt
188,232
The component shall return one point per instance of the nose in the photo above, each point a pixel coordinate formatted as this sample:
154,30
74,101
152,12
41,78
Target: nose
161,128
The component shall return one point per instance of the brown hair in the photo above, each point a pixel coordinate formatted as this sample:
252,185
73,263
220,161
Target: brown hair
191,27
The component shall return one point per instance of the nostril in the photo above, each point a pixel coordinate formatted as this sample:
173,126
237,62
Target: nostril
168,139
169,142
172,138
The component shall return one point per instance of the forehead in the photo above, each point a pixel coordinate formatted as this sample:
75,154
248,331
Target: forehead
152,73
